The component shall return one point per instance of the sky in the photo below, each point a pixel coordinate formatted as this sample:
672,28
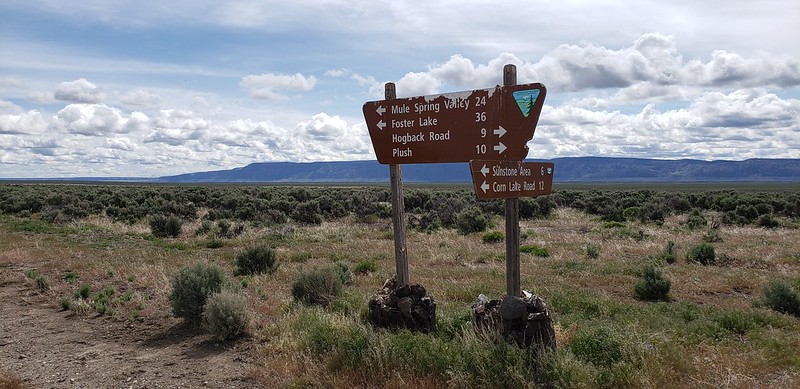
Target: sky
105,88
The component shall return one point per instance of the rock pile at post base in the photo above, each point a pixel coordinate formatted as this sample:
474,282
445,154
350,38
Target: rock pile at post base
524,320
404,306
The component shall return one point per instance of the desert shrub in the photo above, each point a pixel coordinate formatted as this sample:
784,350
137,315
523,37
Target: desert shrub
592,251
471,220
653,212
667,254
747,212
319,286
426,222
42,283
83,291
71,277
191,287
256,260
631,213
366,266
226,314
308,213
165,226
768,221
703,254
779,296
695,220
652,286
102,302
343,271
712,236
493,237
538,251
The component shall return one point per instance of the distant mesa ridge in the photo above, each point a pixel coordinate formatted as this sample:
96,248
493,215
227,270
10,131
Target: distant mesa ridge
575,169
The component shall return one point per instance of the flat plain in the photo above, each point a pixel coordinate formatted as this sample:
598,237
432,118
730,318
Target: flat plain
587,248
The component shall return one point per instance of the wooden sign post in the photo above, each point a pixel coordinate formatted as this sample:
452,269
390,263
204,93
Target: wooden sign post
492,124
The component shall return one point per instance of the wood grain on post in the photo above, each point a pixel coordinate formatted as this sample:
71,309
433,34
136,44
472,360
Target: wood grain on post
512,217
398,209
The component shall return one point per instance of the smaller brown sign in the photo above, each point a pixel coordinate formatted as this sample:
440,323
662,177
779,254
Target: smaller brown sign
511,179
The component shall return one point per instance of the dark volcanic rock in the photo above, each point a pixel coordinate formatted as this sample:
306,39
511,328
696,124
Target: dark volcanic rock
523,320
406,306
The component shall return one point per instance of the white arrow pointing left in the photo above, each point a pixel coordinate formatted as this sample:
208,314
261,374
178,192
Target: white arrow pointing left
381,125
500,148
485,187
382,110
484,170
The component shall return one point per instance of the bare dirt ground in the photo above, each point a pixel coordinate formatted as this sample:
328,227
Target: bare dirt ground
45,347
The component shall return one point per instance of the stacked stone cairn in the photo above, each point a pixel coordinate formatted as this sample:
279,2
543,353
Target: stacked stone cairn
405,306
523,320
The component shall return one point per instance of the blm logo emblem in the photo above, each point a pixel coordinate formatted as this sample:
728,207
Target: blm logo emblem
525,100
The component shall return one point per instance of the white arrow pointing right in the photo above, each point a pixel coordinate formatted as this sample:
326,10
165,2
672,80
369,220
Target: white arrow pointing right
382,110
499,131
484,170
484,186
500,148
381,125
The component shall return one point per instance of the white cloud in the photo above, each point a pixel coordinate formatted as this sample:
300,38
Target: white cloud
91,119
337,72
28,123
78,91
413,84
748,123
141,98
120,143
7,107
266,86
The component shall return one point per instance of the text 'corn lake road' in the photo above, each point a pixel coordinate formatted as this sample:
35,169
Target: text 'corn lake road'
490,124
511,179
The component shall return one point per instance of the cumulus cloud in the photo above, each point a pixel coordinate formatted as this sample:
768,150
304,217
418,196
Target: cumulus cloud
176,127
92,119
120,143
266,86
78,91
749,123
650,69
28,123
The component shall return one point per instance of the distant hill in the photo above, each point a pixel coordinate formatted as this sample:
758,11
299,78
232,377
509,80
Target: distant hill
578,169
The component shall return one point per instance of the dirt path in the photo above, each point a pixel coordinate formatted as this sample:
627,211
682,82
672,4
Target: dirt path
48,348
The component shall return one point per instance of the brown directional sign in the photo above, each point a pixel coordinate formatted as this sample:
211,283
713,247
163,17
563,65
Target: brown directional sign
494,123
510,179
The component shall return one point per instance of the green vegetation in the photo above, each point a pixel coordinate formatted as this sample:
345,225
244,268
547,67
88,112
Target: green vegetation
165,226
256,260
318,286
226,314
592,251
667,255
653,286
780,296
538,251
191,287
493,237
730,325
704,254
